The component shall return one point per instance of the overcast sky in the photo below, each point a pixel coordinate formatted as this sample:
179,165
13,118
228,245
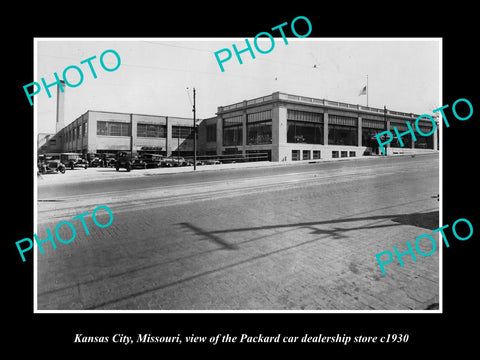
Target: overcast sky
154,74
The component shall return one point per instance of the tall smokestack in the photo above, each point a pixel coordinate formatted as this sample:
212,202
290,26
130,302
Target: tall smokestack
60,106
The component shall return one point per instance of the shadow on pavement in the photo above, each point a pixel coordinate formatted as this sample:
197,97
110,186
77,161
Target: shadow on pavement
428,220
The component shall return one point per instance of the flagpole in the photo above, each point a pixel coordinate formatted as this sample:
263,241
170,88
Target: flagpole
367,90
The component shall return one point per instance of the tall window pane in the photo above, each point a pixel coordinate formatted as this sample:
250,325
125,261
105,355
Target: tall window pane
304,132
342,135
232,131
260,133
211,132
406,139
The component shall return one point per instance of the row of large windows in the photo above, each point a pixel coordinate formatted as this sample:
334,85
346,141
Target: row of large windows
421,142
259,116
259,129
311,133
151,130
297,115
182,132
342,120
307,127
302,127
297,132
316,154
73,133
305,155
111,128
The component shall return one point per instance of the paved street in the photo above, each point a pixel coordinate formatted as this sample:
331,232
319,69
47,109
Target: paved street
290,237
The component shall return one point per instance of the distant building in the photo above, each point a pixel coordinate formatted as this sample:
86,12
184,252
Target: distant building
290,128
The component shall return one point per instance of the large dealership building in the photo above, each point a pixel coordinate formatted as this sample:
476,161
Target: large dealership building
290,128
280,126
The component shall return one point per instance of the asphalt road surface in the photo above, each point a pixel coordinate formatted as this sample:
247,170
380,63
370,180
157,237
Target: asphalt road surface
297,237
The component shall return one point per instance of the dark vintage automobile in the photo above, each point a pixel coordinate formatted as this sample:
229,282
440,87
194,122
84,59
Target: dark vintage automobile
178,161
167,162
96,162
72,160
50,165
106,160
211,162
123,160
138,163
101,160
198,163
110,161
152,160
93,159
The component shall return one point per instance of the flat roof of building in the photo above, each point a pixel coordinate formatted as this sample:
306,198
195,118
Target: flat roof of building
281,96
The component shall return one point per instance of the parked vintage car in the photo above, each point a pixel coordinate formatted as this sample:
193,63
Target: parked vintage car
72,160
110,161
167,162
123,160
198,163
212,162
101,160
106,159
93,159
152,160
178,161
138,163
96,162
49,165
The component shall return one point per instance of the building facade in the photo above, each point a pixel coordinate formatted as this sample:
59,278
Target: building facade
278,127
291,128
109,132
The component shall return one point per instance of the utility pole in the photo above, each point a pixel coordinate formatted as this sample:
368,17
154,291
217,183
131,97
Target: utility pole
194,135
131,136
385,122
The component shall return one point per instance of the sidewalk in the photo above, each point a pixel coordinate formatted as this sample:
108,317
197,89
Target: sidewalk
98,173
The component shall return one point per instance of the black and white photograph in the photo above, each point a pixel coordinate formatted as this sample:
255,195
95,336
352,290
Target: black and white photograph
240,179
284,200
